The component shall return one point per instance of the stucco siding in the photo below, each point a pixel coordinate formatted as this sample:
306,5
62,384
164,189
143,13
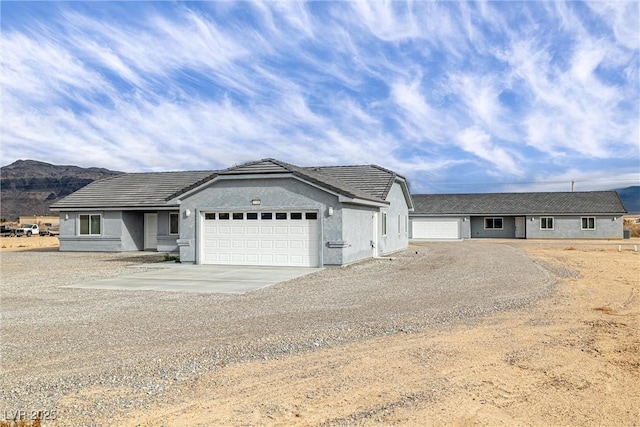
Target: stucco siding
397,236
108,241
357,226
274,194
132,231
570,227
478,229
166,242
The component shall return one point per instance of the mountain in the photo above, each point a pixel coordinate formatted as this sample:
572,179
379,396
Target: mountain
630,197
29,187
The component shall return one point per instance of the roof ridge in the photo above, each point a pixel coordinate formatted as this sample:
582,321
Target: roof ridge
165,172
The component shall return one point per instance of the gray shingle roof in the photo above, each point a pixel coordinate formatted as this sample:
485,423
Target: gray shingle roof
592,202
371,179
138,190
131,190
362,182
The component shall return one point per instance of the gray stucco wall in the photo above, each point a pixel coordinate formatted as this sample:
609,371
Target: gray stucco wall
109,241
397,237
122,231
570,227
357,226
508,228
132,231
166,242
274,194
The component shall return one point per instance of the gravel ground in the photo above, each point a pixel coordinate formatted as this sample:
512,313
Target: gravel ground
135,346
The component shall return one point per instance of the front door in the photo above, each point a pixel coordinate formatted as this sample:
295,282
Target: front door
521,227
150,231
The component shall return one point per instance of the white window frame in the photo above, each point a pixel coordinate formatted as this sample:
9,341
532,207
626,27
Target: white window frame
89,216
177,232
493,221
582,219
384,223
544,223
399,224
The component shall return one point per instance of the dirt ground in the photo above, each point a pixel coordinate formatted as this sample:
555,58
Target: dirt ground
571,359
26,243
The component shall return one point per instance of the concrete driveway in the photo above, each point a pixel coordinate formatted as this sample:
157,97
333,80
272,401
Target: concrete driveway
224,279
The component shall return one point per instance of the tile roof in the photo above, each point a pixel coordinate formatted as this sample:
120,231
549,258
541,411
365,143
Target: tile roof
131,190
591,202
368,182
134,190
371,179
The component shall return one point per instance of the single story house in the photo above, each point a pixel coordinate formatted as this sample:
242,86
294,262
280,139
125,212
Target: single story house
261,213
558,215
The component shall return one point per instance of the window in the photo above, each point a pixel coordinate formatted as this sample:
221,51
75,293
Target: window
296,215
238,215
90,225
384,223
266,215
493,223
311,215
281,215
210,216
224,215
588,223
252,215
174,223
406,224
546,223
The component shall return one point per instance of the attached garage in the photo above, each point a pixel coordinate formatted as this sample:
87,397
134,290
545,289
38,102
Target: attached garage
435,228
261,238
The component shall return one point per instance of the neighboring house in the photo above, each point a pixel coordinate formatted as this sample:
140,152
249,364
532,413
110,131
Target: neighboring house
261,213
575,215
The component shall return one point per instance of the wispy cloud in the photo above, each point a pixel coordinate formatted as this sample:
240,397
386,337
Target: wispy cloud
447,93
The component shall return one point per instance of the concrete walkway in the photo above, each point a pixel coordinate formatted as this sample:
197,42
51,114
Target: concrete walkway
224,279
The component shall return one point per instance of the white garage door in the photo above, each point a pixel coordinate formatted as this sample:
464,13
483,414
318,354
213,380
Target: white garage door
424,228
261,238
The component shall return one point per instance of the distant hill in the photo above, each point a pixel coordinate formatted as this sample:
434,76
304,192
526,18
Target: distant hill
29,187
630,197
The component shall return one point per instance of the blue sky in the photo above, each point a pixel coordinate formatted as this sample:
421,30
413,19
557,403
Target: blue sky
456,96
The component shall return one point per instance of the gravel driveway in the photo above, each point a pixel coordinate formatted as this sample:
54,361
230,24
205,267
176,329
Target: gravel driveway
136,345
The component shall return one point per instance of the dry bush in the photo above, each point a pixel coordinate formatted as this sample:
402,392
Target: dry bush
633,226
21,423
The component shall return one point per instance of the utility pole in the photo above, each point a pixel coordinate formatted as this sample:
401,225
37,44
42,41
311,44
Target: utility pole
572,184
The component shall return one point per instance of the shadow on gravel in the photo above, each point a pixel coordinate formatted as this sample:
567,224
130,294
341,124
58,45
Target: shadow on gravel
47,249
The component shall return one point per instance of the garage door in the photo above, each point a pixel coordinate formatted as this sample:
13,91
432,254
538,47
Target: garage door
435,228
261,238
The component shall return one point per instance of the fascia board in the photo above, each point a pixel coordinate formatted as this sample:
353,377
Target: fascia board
117,208
356,201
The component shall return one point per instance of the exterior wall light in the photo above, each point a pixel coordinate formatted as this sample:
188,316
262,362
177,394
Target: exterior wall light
532,219
330,211
256,201
187,213
66,216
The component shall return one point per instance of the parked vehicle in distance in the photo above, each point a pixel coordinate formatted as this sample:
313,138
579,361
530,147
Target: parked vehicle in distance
28,230
50,232
6,231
